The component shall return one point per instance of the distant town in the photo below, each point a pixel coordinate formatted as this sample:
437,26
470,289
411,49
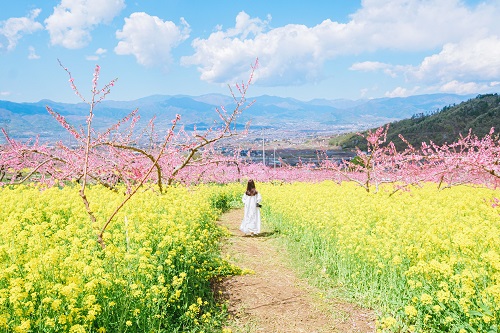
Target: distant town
278,147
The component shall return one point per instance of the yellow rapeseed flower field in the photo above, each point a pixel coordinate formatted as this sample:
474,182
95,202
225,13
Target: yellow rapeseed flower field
429,259
154,275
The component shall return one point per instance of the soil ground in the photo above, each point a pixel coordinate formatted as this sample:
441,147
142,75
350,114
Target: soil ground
273,298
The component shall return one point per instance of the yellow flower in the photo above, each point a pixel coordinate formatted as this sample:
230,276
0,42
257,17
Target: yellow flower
4,320
77,329
388,322
24,327
50,322
62,319
411,311
426,299
443,296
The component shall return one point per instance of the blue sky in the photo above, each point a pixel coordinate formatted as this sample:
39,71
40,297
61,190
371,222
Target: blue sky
306,49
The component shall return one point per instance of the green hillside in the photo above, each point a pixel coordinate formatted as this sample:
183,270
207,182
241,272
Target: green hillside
479,114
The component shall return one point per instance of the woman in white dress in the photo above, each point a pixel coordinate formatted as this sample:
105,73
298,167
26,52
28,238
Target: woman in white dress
251,221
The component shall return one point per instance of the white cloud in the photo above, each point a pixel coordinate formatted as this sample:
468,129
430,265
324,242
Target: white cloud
5,93
295,54
470,66
368,66
418,25
464,88
32,54
363,92
14,28
470,60
72,20
402,92
150,39
100,52
372,66
287,55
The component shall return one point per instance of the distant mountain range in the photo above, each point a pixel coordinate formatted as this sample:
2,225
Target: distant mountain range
28,120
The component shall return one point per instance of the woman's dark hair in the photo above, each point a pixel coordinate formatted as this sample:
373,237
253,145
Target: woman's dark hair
251,190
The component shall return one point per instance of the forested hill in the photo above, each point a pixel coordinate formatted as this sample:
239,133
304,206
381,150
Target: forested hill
479,114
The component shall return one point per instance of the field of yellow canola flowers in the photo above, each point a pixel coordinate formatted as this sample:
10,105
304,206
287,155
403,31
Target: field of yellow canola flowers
428,260
154,275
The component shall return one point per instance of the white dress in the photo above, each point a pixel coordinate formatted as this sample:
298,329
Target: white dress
251,219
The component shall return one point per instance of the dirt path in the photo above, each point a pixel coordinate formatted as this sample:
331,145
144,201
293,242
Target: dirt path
274,299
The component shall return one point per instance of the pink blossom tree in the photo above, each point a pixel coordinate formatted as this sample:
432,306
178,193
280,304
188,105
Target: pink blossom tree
118,155
469,160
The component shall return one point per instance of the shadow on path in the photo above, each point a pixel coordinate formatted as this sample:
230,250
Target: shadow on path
262,234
